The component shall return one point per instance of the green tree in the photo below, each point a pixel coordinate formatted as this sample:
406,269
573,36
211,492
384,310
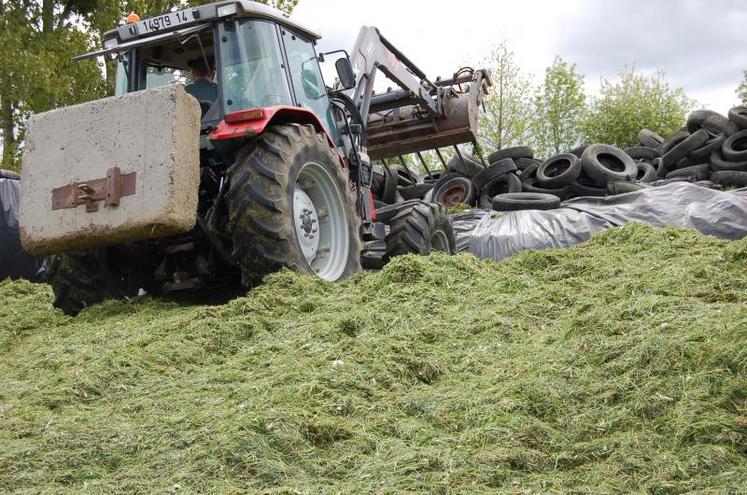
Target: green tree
505,121
633,103
742,90
37,43
559,108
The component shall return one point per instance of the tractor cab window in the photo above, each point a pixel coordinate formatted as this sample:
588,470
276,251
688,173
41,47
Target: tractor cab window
158,75
308,83
155,75
189,61
120,85
252,69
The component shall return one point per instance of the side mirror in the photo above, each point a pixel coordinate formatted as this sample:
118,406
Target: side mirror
345,73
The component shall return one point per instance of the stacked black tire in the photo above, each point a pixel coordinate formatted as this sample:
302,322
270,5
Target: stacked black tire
513,179
722,156
590,170
710,149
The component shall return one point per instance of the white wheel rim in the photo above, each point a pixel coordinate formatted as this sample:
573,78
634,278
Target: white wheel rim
320,222
440,242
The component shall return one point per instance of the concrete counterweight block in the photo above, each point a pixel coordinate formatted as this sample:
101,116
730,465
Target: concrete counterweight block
112,171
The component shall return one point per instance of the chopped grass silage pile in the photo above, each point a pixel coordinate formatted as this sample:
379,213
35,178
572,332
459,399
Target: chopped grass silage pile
615,366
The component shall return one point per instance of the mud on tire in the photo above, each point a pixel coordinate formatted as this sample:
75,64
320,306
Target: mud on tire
264,192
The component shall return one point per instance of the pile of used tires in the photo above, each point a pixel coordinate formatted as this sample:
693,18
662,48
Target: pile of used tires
711,149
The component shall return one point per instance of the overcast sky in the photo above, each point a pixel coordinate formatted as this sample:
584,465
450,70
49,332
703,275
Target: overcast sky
699,44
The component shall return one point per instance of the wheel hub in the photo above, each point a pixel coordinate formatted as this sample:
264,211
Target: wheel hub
306,221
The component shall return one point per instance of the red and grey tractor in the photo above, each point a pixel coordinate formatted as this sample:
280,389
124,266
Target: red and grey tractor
286,164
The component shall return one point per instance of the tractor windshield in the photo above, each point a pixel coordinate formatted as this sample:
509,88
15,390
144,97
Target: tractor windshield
252,66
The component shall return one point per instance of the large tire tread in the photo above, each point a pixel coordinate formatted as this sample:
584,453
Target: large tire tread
413,227
260,205
80,279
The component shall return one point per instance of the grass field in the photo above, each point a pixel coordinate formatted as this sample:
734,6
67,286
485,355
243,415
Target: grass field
615,366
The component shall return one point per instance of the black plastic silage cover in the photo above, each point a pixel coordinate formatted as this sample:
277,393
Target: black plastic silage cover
490,234
14,261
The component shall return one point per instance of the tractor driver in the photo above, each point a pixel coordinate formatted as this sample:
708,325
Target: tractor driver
202,86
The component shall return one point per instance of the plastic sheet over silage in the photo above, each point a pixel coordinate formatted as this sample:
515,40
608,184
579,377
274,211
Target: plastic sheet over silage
14,261
496,235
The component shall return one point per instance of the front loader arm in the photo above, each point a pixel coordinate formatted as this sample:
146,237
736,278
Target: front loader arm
371,52
420,115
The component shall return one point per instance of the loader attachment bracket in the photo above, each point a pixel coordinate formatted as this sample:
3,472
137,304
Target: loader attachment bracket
419,114
90,193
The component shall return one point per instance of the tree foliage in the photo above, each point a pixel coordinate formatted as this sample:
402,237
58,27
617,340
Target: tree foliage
36,70
37,42
559,107
633,103
505,121
742,90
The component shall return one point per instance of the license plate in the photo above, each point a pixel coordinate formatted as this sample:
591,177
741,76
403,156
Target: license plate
165,21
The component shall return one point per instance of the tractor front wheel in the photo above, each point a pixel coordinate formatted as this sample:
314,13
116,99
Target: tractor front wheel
290,204
418,227
80,279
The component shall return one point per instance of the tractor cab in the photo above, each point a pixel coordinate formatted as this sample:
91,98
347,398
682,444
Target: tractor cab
233,57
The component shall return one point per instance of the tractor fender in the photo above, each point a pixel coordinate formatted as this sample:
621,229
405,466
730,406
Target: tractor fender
261,119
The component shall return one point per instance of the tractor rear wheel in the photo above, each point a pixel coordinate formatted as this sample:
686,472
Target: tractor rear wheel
290,204
80,279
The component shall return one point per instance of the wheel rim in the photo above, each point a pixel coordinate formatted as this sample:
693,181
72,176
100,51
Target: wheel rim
320,222
439,242
453,195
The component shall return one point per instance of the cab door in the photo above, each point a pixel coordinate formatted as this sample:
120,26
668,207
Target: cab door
252,72
306,77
